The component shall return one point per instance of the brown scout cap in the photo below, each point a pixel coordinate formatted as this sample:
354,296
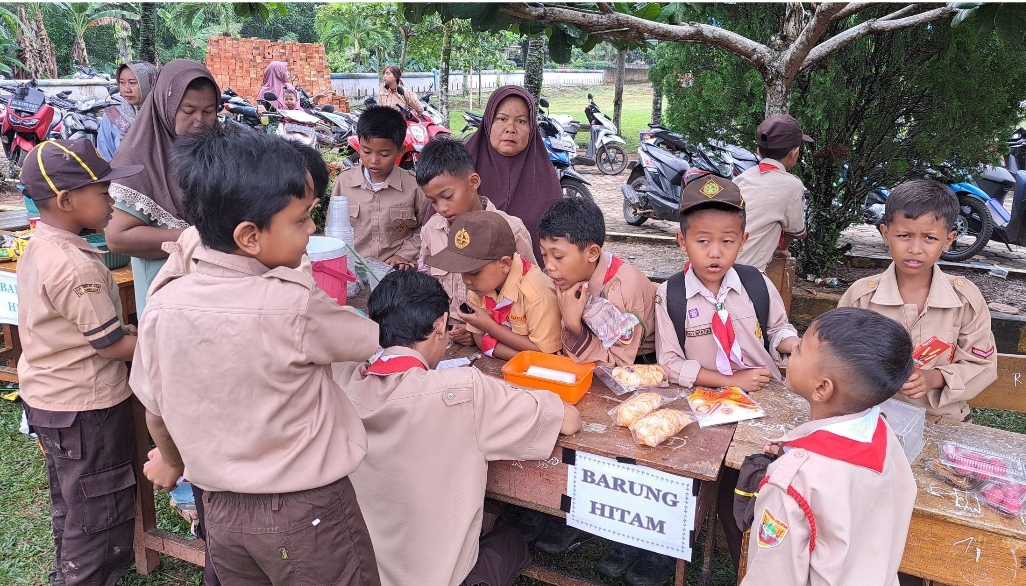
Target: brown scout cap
703,187
780,132
475,239
56,165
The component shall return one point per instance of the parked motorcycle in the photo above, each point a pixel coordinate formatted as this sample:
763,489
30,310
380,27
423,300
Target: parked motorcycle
420,129
561,149
606,149
239,110
26,121
714,156
297,125
654,186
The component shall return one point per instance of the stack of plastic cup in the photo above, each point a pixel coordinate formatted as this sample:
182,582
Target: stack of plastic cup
338,225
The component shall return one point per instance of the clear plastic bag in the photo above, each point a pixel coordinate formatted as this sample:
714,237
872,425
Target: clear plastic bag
619,378
606,321
658,426
638,406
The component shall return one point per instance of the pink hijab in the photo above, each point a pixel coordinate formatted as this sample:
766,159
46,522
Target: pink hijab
276,80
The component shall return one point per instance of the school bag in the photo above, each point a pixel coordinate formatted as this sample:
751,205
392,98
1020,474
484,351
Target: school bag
751,279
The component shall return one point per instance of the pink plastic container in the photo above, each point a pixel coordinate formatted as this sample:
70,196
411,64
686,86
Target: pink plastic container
328,260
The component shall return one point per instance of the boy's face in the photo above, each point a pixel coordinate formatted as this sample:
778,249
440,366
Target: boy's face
378,156
712,243
803,366
290,101
283,242
916,244
489,278
565,263
453,195
93,206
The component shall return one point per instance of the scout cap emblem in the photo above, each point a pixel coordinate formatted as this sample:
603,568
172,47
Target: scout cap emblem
492,237
711,188
462,239
702,188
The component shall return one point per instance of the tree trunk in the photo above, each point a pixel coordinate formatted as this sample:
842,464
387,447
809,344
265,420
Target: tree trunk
466,82
621,64
40,58
406,32
148,32
380,52
79,53
122,34
443,76
657,104
778,94
534,67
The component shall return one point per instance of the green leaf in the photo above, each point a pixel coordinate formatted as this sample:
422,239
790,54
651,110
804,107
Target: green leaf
591,43
414,12
533,27
467,9
648,11
559,45
486,19
575,35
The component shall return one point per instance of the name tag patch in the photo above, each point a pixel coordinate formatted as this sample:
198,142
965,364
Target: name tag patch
772,530
517,319
983,353
697,333
95,288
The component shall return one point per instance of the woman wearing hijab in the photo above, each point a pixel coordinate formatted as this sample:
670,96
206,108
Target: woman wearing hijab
388,93
135,80
148,211
277,80
510,156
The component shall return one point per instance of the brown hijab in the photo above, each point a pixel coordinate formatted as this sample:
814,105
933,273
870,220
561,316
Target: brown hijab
148,143
524,185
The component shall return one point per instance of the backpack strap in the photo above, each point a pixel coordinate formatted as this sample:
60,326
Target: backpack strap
755,285
677,305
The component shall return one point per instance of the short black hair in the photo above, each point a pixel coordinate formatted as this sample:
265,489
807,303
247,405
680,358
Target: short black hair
579,221
382,122
229,176
775,154
405,305
915,198
444,156
876,351
316,166
685,216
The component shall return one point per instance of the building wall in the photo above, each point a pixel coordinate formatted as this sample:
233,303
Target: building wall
240,63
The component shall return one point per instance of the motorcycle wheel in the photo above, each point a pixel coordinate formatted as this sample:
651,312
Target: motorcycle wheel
324,134
611,159
630,212
574,189
973,228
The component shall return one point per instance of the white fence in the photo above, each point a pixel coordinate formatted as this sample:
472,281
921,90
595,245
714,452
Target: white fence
358,85
80,88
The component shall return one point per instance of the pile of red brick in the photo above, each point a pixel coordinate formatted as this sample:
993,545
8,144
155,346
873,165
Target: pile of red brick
240,64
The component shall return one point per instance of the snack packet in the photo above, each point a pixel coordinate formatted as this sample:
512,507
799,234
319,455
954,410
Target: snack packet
625,379
639,405
655,428
952,477
928,351
606,321
719,406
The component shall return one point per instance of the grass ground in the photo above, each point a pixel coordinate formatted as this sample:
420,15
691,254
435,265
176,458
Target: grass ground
637,108
27,546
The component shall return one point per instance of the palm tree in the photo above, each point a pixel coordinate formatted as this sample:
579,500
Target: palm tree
191,23
84,15
340,26
36,49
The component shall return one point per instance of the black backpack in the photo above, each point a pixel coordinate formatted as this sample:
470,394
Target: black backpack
751,279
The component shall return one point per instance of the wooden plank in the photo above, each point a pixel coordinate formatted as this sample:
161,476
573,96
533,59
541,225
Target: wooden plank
537,485
947,552
781,272
147,556
784,410
183,548
1004,393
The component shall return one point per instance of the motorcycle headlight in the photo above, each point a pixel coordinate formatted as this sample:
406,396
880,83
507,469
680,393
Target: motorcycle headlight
26,122
418,134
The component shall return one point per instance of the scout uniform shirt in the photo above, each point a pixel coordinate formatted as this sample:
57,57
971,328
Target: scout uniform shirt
631,292
700,349
392,99
385,222
526,304
773,204
955,312
435,235
68,307
431,434
234,357
852,476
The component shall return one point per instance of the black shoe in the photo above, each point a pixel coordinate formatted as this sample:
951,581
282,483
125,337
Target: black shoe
57,578
651,569
531,524
615,562
556,538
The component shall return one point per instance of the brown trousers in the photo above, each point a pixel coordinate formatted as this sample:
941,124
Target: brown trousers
501,556
92,490
315,536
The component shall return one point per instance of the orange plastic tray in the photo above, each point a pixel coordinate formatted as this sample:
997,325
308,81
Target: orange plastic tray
514,372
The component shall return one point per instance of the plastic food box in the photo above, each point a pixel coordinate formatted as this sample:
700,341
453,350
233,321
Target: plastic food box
907,422
112,260
1006,497
515,371
982,464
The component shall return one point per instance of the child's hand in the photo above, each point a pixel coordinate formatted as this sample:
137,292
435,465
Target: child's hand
160,473
479,319
130,329
921,382
460,335
752,379
786,346
571,307
399,263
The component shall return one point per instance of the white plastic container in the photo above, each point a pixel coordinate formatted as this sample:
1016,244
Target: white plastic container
907,422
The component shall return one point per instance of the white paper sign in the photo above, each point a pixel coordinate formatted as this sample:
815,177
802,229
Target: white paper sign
632,504
8,298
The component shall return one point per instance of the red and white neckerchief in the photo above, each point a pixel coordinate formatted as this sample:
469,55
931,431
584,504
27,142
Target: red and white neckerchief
767,167
728,349
861,441
394,364
499,310
614,265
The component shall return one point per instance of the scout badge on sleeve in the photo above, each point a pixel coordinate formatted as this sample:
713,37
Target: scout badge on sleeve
928,351
772,530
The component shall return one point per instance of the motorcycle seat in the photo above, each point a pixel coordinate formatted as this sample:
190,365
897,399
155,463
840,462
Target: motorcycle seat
668,160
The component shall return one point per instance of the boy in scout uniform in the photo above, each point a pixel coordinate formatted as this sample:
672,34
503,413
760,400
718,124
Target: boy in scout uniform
431,434
386,206
74,381
709,331
835,507
773,196
513,303
918,225
232,367
571,233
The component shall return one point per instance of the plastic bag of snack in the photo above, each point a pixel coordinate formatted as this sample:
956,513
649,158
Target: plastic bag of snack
639,405
655,428
952,477
625,379
607,322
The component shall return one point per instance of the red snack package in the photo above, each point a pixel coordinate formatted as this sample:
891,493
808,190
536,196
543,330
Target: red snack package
928,351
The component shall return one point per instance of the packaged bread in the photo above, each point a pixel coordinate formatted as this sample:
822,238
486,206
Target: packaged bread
639,375
637,407
655,428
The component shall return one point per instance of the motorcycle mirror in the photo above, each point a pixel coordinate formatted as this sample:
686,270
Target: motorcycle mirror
65,93
590,97
113,89
544,103
270,96
328,108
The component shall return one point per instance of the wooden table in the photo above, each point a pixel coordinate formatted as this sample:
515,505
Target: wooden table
953,538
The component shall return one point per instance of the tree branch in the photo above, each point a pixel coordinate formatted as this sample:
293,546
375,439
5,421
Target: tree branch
879,25
637,29
851,9
793,57
605,8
